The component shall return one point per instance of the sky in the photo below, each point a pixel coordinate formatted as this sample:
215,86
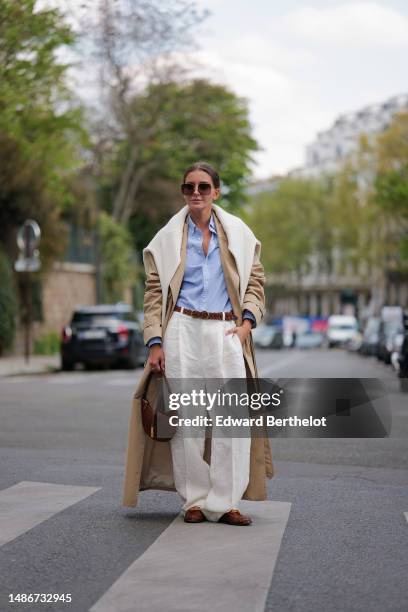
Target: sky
300,64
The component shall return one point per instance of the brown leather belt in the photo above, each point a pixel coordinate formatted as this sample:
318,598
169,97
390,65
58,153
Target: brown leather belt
203,314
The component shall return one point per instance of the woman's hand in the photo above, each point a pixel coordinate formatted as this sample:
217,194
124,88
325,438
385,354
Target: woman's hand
156,358
242,331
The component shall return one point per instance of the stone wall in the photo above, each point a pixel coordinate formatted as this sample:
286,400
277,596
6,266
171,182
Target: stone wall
67,286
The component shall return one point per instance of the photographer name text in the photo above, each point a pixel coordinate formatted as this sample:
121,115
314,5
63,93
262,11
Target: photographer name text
261,420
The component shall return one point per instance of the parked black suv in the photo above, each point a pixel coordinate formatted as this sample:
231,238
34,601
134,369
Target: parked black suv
104,334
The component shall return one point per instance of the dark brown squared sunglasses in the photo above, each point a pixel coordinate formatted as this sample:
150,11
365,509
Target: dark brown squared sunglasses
188,188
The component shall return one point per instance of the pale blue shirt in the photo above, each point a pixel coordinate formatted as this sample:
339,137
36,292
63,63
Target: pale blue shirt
203,286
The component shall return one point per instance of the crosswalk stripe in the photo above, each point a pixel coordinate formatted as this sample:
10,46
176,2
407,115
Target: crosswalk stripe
210,566
27,504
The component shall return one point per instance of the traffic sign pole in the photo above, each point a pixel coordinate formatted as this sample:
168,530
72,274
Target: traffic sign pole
28,238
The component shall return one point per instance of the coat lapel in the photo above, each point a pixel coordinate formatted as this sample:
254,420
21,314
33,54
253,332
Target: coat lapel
177,279
241,243
229,267
166,251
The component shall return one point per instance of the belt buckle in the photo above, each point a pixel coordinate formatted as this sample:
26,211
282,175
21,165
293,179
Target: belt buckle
205,314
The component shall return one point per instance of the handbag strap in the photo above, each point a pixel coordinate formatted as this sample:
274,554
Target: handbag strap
166,380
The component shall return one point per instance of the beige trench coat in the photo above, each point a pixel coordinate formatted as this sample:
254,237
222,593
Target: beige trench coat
149,463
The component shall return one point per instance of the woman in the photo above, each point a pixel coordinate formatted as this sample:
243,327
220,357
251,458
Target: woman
204,292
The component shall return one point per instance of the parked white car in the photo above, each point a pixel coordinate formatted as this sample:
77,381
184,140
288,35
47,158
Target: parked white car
341,329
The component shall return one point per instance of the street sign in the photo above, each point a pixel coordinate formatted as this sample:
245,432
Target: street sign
28,238
27,265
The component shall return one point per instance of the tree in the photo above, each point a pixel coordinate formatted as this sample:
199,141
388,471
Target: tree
34,99
180,123
373,210
40,128
391,184
24,194
119,271
8,303
352,217
285,221
133,44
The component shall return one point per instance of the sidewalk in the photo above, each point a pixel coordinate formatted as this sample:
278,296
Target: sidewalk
38,364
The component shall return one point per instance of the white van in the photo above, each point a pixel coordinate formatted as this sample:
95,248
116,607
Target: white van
341,329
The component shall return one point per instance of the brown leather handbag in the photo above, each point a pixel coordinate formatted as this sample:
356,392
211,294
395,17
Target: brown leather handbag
155,414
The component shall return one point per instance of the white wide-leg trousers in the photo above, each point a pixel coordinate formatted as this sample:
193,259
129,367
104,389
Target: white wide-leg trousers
199,348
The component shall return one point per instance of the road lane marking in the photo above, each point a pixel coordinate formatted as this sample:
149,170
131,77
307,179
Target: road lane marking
204,567
406,515
27,504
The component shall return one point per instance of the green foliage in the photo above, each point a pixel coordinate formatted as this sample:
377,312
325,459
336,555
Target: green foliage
24,194
356,219
403,248
288,222
118,269
176,124
391,184
392,190
40,129
198,120
8,303
32,81
351,219
47,344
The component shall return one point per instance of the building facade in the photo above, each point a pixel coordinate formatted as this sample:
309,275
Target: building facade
347,291
333,146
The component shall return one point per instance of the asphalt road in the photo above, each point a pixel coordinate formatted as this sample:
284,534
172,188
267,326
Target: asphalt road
337,524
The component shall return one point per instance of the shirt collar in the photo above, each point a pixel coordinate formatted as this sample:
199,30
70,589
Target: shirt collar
192,226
